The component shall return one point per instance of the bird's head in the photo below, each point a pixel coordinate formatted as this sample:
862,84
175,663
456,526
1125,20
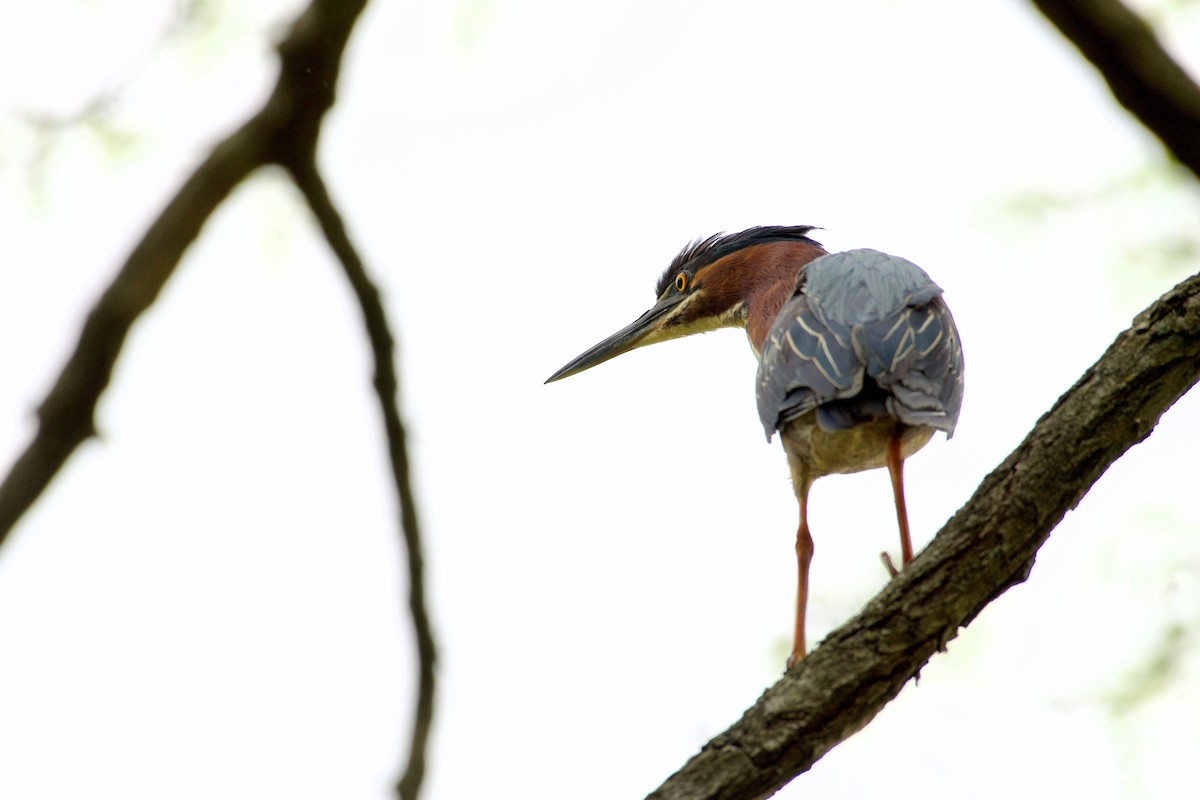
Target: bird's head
727,280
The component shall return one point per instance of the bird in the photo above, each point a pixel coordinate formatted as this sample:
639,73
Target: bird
859,358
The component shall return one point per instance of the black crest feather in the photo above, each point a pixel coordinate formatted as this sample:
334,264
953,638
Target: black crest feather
703,252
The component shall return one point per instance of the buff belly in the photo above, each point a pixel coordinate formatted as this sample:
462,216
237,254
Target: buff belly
814,452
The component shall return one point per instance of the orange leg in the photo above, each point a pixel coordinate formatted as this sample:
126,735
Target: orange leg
804,552
895,465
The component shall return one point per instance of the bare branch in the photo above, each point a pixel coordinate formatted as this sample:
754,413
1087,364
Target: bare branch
309,180
285,131
988,546
310,58
1142,75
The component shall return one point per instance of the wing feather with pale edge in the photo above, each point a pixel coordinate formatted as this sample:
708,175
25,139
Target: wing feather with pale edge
862,313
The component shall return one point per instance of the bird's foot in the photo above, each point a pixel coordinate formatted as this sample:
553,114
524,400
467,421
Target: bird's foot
794,659
888,565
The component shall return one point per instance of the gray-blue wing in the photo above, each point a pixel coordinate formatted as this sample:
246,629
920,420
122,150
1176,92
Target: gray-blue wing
866,335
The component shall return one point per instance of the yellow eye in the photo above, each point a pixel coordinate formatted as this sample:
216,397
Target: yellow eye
681,282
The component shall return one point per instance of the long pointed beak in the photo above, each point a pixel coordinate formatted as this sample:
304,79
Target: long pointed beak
645,330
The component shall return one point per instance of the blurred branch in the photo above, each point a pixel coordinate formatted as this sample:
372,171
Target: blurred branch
308,178
285,132
987,547
310,58
1141,74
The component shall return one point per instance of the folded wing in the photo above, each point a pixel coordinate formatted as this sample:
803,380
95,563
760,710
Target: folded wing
866,334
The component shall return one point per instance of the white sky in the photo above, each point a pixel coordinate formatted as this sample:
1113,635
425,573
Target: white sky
208,602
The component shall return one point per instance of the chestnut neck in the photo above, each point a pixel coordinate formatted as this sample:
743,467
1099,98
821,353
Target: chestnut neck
776,267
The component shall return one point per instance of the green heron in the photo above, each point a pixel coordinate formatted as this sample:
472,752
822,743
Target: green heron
859,358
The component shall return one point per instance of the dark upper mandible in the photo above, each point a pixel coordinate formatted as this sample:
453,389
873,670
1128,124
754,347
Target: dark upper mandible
865,334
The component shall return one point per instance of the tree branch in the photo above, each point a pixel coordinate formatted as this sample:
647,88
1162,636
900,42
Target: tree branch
308,179
285,132
1142,75
987,547
310,57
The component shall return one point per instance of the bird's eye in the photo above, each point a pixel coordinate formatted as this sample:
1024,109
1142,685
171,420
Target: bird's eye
681,282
